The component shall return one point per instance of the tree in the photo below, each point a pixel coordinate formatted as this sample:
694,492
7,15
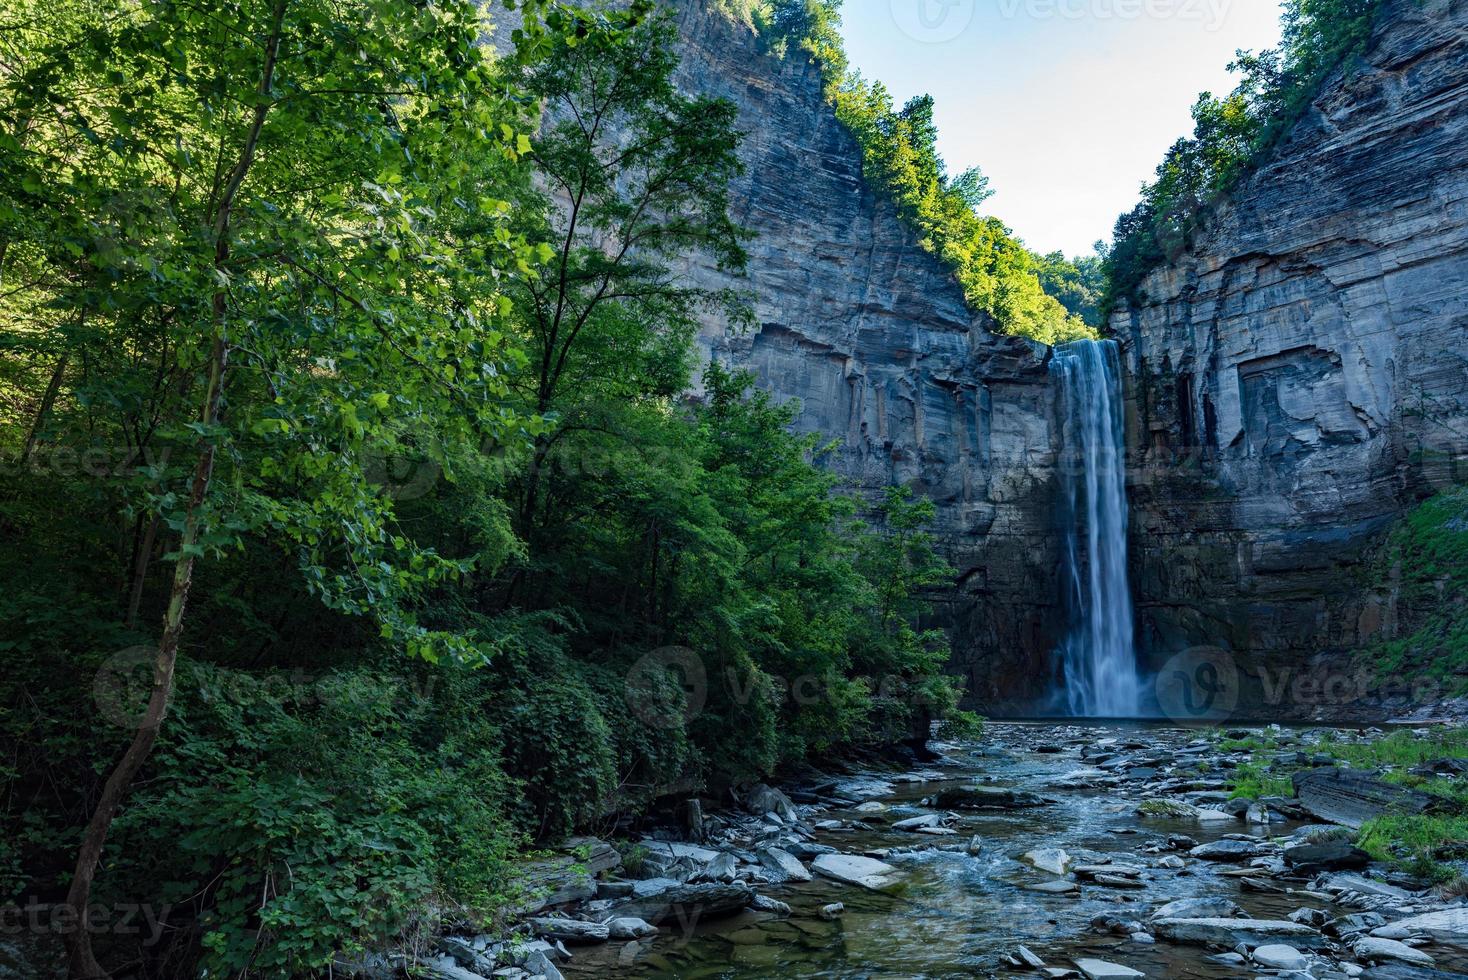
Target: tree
631,175
285,215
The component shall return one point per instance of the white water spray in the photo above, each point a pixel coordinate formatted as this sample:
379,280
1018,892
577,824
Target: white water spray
1099,657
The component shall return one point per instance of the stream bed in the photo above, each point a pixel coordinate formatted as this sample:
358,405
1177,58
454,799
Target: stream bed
961,914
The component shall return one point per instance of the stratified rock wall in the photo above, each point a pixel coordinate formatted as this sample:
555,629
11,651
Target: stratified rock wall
1300,375
872,335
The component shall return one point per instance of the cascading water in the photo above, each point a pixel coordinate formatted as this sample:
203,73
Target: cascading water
1099,656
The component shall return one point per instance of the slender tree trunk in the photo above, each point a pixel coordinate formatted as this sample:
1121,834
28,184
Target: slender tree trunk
140,572
47,400
82,962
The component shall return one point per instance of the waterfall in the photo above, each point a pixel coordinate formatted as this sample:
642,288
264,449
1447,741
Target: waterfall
1098,657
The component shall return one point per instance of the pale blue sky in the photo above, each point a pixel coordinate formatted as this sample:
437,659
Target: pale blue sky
1067,105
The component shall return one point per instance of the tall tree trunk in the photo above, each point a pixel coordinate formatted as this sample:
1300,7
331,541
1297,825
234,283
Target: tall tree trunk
47,400
82,962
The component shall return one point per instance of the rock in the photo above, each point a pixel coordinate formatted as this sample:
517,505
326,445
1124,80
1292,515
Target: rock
675,851
685,901
1144,938
725,867
1366,886
855,870
570,930
1280,957
1231,932
1027,956
833,911
1373,948
927,820
1056,887
1199,908
1351,798
540,965
761,799
1355,924
1116,881
1310,860
782,867
1102,970
629,928
989,798
1269,439
1051,859
1448,926
444,968
566,877
1229,850
763,903
1314,918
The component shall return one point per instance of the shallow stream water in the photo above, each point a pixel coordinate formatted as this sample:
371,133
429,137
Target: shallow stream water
959,915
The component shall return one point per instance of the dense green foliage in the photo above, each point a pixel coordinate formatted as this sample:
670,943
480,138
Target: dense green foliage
998,274
1232,136
323,332
1424,565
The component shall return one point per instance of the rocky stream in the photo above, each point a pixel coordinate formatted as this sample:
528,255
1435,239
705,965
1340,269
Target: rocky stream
1048,850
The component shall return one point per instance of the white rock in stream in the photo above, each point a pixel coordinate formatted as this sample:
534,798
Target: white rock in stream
782,866
1051,859
1281,957
1102,970
919,823
1389,949
1447,926
853,869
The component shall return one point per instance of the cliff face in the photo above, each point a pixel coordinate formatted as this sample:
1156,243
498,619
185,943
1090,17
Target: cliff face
1300,376
873,337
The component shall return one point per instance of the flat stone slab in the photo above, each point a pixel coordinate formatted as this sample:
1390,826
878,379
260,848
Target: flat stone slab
1230,932
1102,970
685,901
1372,948
1230,850
1351,798
570,930
1446,926
989,798
853,869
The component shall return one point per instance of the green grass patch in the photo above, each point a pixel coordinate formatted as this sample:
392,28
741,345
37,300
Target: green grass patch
1255,780
1418,844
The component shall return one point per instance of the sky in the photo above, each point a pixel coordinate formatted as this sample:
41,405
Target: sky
1067,105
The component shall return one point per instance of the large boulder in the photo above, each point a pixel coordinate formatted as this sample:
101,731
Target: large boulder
988,798
687,902
1336,855
1351,798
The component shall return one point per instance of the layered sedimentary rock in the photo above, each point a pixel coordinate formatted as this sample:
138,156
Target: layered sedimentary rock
1300,374
872,336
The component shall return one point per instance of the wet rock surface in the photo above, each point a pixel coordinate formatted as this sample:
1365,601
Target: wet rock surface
1298,381
1087,885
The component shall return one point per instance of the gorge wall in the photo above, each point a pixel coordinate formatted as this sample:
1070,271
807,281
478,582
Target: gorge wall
1299,377
872,336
